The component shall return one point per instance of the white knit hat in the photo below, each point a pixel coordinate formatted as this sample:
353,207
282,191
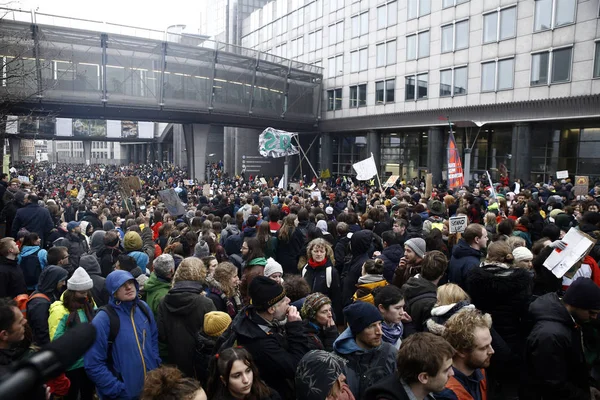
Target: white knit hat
80,281
272,267
522,254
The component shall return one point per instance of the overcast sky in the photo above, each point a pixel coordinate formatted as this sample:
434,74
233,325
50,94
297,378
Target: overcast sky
141,13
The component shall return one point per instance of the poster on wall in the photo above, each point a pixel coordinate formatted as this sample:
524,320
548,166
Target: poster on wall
129,129
89,127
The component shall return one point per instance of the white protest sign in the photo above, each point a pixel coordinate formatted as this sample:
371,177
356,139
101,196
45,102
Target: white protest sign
517,187
365,169
458,224
263,181
13,170
559,262
562,174
392,180
311,187
23,178
316,195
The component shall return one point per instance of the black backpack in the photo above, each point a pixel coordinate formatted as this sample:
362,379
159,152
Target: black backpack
115,326
32,268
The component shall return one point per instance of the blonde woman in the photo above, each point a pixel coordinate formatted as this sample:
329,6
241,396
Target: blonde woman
450,300
223,289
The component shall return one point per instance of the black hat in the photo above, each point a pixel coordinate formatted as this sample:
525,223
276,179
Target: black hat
583,293
265,292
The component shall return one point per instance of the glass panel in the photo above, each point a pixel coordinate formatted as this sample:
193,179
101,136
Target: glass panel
460,81
447,33
597,61
338,99
424,7
490,27
381,17
353,96
390,88
565,12
411,47
539,68
339,65
424,44
331,67
362,95
379,92
505,74
445,83
543,15
380,56
447,3
392,13
332,37
409,88
355,26
508,23
561,65
412,9
462,35
363,57
488,77
354,61
422,81
340,31
330,100
391,52
364,23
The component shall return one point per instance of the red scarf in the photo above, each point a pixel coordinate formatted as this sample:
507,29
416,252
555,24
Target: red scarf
313,264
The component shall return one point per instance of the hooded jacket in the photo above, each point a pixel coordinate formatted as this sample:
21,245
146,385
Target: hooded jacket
464,259
361,244
41,255
276,351
180,316
155,289
99,293
77,246
97,242
34,218
230,230
38,309
554,367
365,367
391,256
420,295
134,352
12,281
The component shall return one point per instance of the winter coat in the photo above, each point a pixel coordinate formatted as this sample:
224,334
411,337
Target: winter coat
180,316
91,266
464,259
420,296
317,281
38,309
230,230
505,293
93,219
390,388
320,338
34,218
391,256
222,303
364,367
107,258
155,289
554,365
77,246
414,232
41,255
288,251
137,338
536,224
276,351
340,250
12,281
9,212
365,287
361,243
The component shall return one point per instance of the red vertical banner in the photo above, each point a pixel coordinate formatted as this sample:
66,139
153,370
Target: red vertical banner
456,177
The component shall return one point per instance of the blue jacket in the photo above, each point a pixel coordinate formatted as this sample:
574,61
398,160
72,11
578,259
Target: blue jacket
141,259
29,250
464,259
35,219
125,379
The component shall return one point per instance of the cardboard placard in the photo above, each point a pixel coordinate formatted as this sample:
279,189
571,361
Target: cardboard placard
263,181
392,180
582,185
172,202
561,261
206,189
428,185
23,178
315,195
562,174
189,182
458,224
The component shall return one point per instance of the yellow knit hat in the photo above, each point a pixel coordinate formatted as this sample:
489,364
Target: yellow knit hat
216,323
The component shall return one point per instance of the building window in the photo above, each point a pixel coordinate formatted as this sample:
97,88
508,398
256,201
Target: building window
359,60
297,47
452,3
334,99
552,66
550,14
335,66
314,10
336,33
453,82
417,45
497,75
315,40
387,15
418,8
455,36
358,96
360,24
495,30
416,86
335,5
597,61
386,53
281,50
385,91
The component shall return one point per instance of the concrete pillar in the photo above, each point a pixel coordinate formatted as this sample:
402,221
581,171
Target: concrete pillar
196,139
151,153
435,153
15,148
159,153
326,152
145,148
313,154
520,166
87,152
374,146
136,154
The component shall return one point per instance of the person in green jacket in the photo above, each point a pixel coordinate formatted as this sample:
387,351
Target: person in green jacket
75,306
159,283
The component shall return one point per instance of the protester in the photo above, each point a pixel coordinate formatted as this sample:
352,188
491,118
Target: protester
410,264
159,283
33,218
223,289
390,302
319,324
170,383
216,324
12,281
127,263
274,270
320,374
371,279
99,293
76,244
466,255
32,260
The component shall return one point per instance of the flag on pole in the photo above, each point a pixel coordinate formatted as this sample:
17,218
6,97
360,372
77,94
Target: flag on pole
365,169
455,171
275,143
491,184
281,183
81,193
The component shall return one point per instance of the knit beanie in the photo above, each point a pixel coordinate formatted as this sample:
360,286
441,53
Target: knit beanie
312,304
216,322
360,315
265,292
583,293
522,254
132,241
201,250
416,221
417,245
80,281
317,372
272,267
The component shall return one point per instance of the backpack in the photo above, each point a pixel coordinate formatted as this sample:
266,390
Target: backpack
23,299
226,340
328,275
32,269
115,326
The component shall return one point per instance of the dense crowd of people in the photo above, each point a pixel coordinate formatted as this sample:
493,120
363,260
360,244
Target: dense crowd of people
327,290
